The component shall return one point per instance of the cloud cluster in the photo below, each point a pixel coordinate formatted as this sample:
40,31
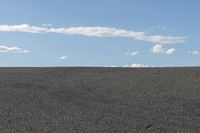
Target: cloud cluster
161,49
159,40
7,49
137,65
111,66
131,65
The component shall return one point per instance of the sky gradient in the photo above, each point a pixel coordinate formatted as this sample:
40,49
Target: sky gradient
130,33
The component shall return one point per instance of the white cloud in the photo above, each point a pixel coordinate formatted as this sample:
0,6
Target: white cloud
137,65
195,52
134,53
170,51
161,49
158,49
22,28
7,49
113,32
63,57
94,32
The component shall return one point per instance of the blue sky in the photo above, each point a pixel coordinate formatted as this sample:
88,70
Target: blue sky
99,33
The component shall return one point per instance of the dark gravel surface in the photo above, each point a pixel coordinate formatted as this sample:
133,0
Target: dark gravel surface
99,100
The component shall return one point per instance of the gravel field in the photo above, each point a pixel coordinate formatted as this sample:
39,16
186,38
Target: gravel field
100,100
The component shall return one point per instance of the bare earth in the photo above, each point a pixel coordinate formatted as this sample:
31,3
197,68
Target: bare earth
99,100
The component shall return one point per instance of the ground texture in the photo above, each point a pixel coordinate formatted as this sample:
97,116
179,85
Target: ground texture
99,100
